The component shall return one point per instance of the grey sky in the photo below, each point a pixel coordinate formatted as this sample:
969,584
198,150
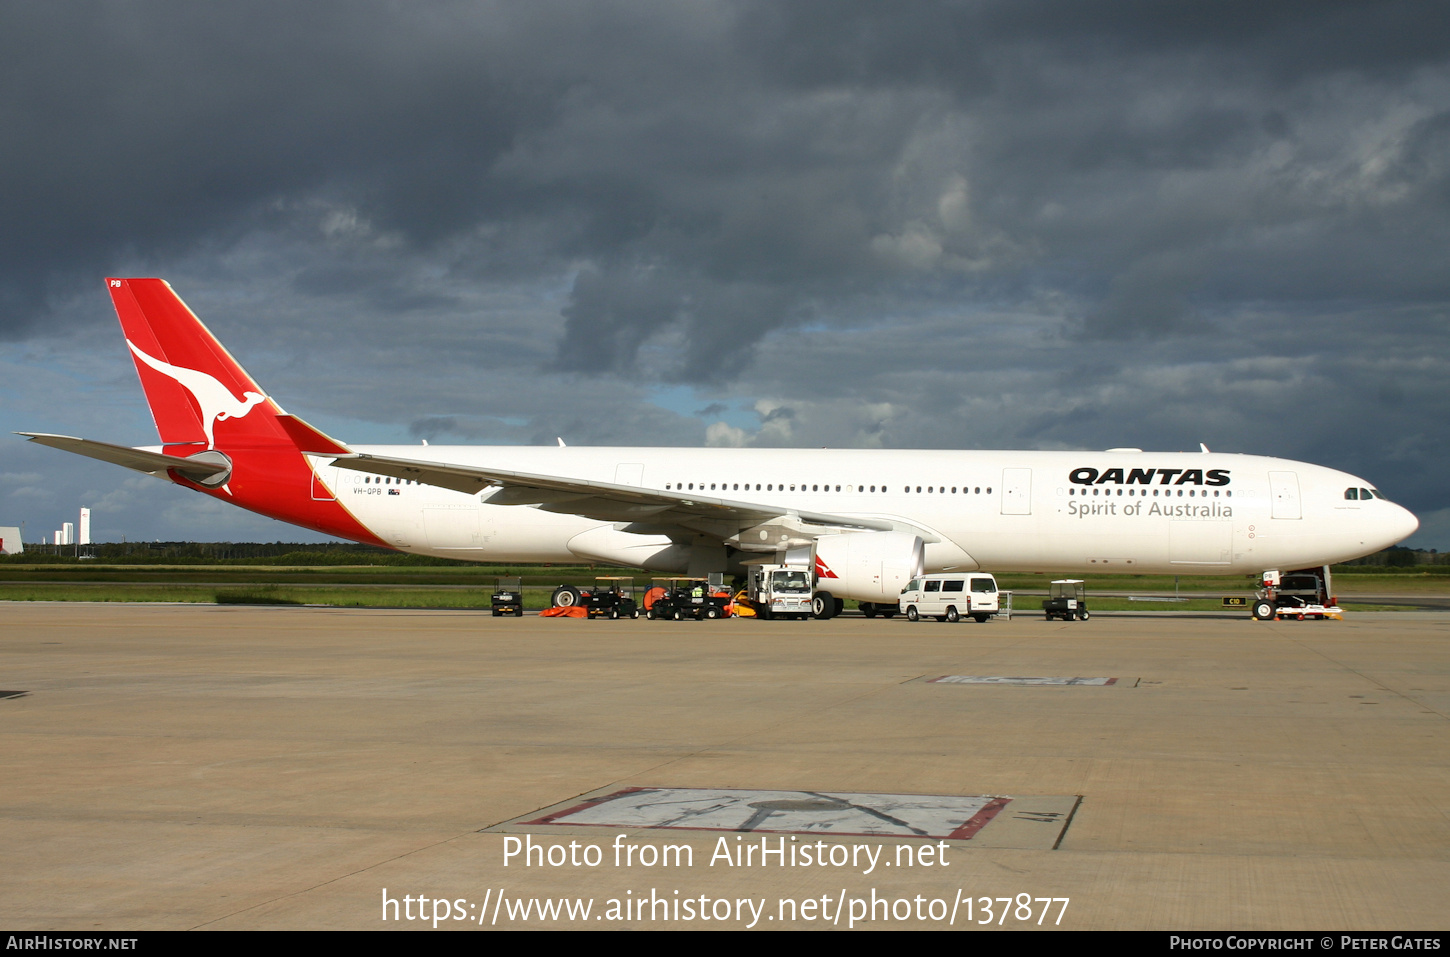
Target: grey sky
957,225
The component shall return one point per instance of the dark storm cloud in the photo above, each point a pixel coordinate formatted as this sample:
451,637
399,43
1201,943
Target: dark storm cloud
950,43
612,315
748,161
1048,223
148,127
1158,165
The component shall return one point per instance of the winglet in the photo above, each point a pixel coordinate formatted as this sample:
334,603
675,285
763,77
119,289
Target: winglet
309,439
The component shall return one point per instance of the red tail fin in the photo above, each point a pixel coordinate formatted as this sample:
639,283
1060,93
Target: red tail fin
199,396
204,401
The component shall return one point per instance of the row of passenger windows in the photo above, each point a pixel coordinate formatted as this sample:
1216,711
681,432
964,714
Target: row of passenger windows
1351,494
773,487
1167,493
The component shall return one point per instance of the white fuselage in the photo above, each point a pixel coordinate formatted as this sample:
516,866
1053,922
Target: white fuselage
1201,513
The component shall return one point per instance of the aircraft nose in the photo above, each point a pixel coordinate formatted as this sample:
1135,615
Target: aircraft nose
1405,523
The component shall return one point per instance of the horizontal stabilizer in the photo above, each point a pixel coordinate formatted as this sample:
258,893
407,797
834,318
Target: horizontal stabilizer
142,460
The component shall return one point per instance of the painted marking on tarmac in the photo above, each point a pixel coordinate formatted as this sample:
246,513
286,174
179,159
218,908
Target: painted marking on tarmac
1008,680
1037,822
950,817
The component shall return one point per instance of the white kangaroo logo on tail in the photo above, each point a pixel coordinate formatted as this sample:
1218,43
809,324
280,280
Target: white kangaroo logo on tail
216,400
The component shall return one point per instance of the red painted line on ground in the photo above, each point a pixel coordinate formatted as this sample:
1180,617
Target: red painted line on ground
584,806
979,820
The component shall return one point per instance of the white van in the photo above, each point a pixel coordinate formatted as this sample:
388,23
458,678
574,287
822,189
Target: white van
950,596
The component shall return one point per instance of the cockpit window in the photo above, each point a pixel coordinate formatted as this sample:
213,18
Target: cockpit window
1352,494
1365,495
1378,494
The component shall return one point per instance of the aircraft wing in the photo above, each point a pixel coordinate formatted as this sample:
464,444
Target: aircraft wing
646,509
142,460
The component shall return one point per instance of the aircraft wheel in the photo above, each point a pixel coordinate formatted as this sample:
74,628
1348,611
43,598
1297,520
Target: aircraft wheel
889,613
1264,610
868,609
952,615
823,605
981,619
566,596
912,614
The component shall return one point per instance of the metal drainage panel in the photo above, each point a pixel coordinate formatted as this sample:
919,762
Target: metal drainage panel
949,817
997,680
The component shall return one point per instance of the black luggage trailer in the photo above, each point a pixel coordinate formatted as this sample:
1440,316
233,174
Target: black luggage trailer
508,599
612,597
683,598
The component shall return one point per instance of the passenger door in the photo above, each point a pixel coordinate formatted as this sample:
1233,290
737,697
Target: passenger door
1016,491
1284,490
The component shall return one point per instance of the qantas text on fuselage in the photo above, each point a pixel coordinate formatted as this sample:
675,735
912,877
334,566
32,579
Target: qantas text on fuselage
873,518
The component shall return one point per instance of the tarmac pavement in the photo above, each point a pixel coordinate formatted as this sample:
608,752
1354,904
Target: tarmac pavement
183,766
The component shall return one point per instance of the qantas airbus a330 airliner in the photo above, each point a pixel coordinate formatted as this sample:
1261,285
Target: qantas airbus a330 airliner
869,519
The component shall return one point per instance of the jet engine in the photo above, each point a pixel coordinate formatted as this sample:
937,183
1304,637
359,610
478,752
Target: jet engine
868,566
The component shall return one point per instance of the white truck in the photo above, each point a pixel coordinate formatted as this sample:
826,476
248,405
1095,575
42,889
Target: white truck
788,591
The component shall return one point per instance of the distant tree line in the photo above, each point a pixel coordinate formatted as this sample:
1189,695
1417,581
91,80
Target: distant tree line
211,553
1401,557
